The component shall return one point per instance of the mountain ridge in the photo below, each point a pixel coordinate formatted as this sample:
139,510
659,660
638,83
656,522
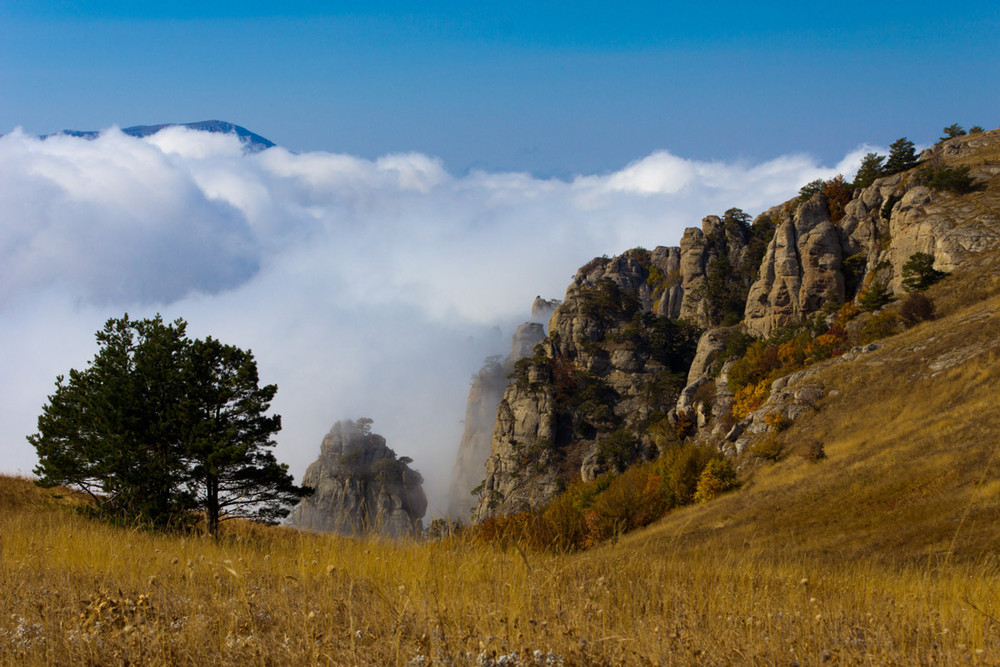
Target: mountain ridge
252,142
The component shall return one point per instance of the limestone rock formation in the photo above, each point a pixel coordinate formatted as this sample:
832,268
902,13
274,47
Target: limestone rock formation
480,416
361,487
576,407
812,259
620,361
670,300
541,309
715,265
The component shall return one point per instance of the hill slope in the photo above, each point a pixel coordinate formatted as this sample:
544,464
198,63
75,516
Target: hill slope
606,388
911,432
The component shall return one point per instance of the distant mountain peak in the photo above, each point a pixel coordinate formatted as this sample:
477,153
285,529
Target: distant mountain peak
252,142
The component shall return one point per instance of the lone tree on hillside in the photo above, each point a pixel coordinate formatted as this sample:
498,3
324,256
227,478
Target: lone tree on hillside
159,425
232,470
114,430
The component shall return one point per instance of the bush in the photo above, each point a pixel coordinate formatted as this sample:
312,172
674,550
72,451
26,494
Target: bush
956,179
619,450
881,325
768,448
750,397
717,477
813,451
777,421
916,308
632,500
875,296
681,468
587,513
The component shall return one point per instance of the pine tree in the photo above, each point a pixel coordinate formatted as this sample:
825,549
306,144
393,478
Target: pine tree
902,156
113,430
233,473
951,132
876,296
159,425
870,169
919,272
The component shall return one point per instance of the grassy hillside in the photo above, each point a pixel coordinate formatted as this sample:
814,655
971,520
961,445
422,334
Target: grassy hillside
911,432
884,553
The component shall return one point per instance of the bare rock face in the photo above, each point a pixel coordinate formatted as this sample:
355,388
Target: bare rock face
710,345
541,309
950,227
361,487
480,416
801,270
573,409
672,296
523,342
711,262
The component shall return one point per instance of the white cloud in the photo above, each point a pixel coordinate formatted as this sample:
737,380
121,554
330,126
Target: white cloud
659,173
365,287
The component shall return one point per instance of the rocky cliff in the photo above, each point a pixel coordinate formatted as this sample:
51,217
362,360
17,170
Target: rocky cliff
580,405
481,410
620,375
361,487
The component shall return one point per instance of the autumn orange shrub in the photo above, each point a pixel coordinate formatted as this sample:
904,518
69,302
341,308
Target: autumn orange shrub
838,196
777,420
750,397
717,477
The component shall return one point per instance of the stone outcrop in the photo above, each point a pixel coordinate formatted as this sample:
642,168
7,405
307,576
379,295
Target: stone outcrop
714,269
702,381
480,416
812,259
671,297
541,309
361,487
801,270
608,365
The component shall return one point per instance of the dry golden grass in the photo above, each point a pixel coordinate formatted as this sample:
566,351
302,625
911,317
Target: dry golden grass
884,553
81,593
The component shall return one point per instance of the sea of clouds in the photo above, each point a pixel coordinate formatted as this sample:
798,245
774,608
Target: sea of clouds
367,288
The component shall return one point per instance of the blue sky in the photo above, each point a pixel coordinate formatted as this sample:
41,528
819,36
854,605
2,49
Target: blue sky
549,88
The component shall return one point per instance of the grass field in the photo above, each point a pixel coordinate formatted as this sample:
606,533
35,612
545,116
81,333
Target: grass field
76,592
